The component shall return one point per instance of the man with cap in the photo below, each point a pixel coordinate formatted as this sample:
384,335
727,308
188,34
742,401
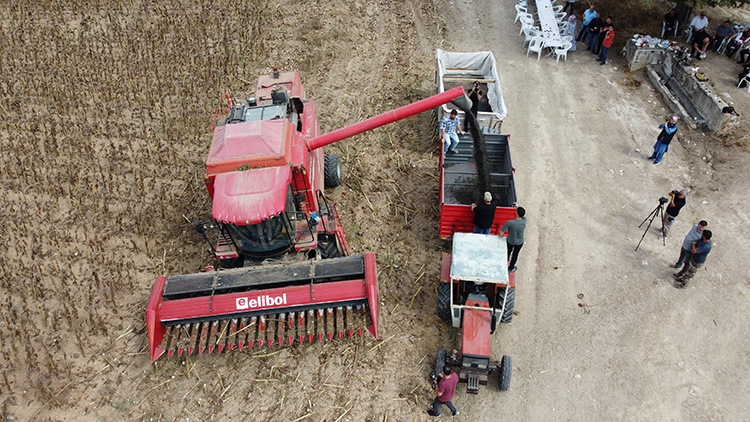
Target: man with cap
515,230
700,250
669,128
687,245
676,203
484,214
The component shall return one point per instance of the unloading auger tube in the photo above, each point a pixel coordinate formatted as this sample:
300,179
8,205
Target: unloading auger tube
456,96
263,305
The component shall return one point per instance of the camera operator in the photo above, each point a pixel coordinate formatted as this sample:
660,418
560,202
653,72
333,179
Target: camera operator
446,389
475,95
676,202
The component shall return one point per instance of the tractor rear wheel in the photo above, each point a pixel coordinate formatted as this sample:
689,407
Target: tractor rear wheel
439,361
509,303
444,300
332,170
505,369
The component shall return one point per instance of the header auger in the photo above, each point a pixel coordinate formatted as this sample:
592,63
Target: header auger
284,274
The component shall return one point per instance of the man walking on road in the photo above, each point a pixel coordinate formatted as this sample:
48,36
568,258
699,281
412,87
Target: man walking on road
687,245
700,251
446,389
515,230
676,203
484,215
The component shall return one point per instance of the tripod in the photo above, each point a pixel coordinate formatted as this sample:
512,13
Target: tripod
659,210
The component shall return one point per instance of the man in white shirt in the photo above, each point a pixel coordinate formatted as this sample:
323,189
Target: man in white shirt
699,22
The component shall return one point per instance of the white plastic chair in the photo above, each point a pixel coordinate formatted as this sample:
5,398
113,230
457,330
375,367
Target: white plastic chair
558,8
529,33
747,80
520,11
536,45
723,46
563,51
688,34
563,26
568,38
525,22
664,28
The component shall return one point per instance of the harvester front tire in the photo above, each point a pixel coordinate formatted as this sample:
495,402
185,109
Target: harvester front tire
332,170
509,304
444,301
505,370
439,361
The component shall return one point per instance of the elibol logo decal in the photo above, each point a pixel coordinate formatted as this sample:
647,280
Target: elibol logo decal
261,301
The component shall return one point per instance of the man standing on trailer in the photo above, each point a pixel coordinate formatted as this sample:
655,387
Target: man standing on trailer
515,230
484,215
448,128
446,389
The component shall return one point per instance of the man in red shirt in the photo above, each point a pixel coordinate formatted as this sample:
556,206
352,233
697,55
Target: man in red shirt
445,391
609,35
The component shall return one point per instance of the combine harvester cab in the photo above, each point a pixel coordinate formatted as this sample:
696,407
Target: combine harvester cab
458,172
265,173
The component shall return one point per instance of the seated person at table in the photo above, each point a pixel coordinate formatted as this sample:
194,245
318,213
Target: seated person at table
744,56
669,23
744,73
723,32
736,42
701,39
699,22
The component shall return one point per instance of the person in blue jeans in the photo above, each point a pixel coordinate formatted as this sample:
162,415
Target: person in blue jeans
594,27
448,127
669,128
484,215
588,16
609,34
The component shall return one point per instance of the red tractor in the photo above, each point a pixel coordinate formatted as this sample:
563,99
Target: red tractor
266,173
476,292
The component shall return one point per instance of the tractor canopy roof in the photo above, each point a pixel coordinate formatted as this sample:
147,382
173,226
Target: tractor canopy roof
261,143
250,196
480,258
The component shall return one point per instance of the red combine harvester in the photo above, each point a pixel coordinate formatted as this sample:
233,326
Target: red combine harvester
475,293
265,173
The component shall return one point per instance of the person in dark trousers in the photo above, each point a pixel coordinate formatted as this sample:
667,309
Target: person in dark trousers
446,389
594,27
569,4
588,16
475,95
515,230
687,245
484,215
607,24
669,128
670,19
676,202
701,40
700,250
723,32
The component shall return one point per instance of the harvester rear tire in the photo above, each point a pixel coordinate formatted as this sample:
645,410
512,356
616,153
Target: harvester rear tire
509,304
439,361
444,301
505,370
332,170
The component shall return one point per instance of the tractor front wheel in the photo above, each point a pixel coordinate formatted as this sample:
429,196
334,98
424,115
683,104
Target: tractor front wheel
332,170
444,300
505,369
509,303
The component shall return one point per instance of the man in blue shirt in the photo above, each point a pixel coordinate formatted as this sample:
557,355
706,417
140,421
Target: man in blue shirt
588,16
448,128
694,235
700,251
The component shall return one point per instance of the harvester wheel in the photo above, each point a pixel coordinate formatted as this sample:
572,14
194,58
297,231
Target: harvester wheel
444,300
509,303
439,361
332,170
505,369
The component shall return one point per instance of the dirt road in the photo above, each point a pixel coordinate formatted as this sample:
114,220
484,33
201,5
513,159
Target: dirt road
632,348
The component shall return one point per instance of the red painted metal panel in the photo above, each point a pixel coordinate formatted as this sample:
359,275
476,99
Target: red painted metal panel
247,197
291,81
270,299
156,329
385,118
459,219
476,330
371,285
259,143
445,268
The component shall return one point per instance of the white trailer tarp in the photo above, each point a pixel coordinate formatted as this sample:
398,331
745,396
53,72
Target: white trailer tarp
462,69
